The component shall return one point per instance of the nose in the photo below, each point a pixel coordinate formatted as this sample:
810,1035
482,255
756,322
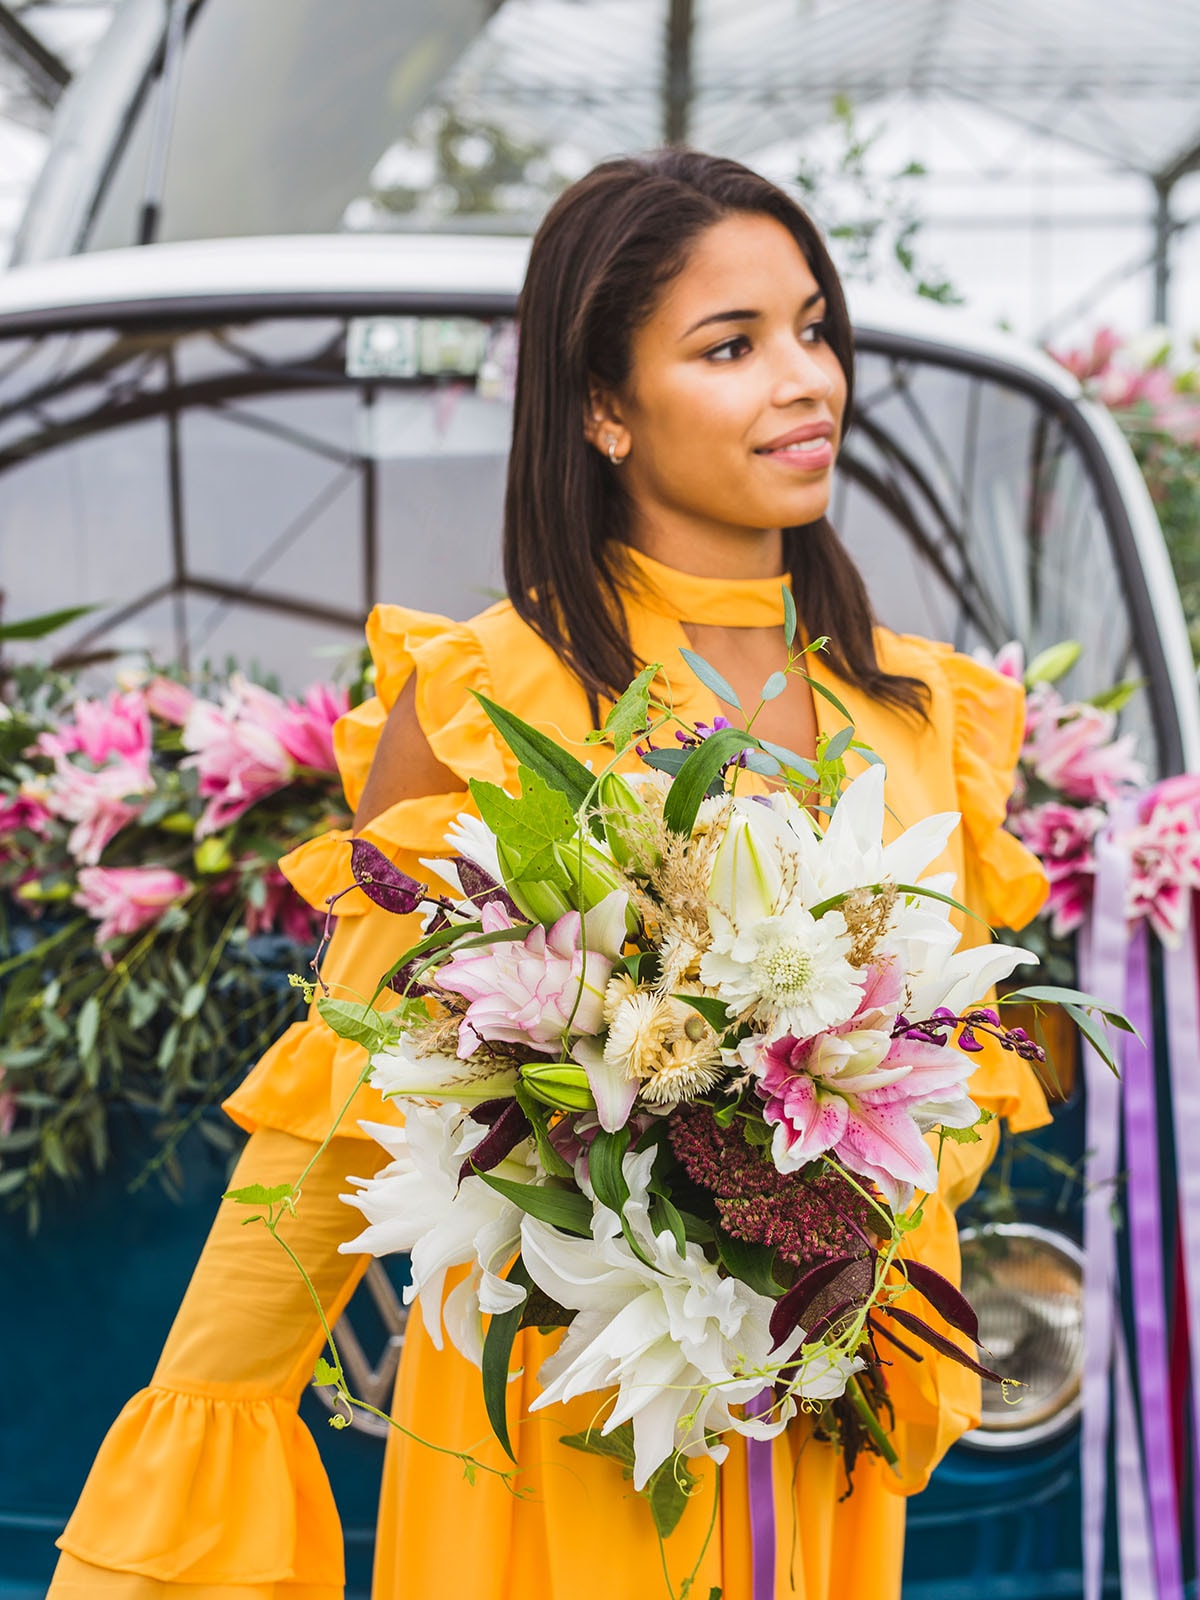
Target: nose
799,375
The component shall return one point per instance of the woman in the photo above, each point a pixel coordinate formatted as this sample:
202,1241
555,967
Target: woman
684,383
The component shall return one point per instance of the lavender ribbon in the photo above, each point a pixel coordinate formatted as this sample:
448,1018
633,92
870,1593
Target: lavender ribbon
1147,1277
1102,952
1133,1513
760,1488
1180,978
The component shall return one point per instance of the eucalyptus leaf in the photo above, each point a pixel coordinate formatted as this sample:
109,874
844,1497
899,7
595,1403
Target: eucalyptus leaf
711,678
759,761
838,744
774,686
790,620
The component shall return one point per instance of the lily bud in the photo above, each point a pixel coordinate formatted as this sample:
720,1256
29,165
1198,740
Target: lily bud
559,1084
595,882
212,854
538,899
625,822
746,879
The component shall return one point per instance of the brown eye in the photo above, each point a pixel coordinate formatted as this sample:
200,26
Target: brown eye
815,333
729,349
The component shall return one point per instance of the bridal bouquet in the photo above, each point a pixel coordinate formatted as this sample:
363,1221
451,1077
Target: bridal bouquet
670,1057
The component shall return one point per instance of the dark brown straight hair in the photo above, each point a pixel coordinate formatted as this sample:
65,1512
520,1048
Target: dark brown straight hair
599,262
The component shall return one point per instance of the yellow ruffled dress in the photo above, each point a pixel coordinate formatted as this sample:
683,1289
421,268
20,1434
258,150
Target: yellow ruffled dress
208,1481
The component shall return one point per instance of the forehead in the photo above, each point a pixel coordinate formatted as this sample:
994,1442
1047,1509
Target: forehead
745,262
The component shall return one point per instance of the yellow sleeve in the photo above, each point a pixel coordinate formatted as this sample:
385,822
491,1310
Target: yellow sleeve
303,1082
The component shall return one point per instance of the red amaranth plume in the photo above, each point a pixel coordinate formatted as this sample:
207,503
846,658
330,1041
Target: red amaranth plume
808,1220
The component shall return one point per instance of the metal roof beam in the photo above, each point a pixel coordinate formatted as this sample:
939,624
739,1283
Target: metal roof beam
48,74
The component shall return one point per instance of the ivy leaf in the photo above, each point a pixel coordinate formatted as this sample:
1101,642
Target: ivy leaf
668,1489
530,826
324,1372
558,767
361,1024
616,1445
711,678
629,715
258,1194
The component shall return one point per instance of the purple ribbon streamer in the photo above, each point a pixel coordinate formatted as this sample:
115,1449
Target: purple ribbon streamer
1102,955
760,1489
1147,1276
1133,1516
1180,979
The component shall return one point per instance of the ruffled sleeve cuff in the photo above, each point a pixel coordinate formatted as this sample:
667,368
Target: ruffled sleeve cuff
989,723
201,1512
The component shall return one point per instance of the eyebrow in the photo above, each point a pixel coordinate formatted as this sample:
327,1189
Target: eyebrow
746,316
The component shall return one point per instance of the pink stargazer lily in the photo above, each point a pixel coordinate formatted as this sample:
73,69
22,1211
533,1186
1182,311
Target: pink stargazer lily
124,900
865,1097
1062,837
530,991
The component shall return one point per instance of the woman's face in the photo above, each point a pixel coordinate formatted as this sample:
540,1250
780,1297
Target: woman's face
731,419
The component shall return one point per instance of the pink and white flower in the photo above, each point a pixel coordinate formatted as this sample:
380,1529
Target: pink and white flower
1073,748
238,752
169,700
123,900
1164,854
530,991
101,730
100,803
1062,836
306,727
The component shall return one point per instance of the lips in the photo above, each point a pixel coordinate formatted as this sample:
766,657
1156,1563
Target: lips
806,449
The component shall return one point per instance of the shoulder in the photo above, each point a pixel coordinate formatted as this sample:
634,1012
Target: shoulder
477,654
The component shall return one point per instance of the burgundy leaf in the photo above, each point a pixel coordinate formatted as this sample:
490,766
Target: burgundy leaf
401,981
882,1333
810,1293
940,1343
942,1294
507,1131
481,889
488,1112
830,1320
383,882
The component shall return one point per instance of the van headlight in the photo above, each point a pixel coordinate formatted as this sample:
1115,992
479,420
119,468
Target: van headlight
1026,1285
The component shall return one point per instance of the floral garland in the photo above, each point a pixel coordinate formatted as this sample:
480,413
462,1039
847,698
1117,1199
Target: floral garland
139,836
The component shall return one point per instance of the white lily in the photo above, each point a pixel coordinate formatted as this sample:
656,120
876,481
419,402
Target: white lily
416,1204
681,1343
399,1073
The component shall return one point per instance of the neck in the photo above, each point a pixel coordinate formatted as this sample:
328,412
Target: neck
708,552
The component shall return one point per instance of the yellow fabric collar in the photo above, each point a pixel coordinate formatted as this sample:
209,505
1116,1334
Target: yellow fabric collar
718,602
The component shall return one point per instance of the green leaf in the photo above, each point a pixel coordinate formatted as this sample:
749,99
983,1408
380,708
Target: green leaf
1056,994
605,1155
789,759
711,678
752,1263
497,1350
1094,1034
532,749
697,772
665,1216
39,627
192,1000
87,1025
530,826
424,947
837,745
714,1011
629,715
789,615
361,1024
561,1208
538,1118
1119,696
668,1489
1049,665
614,1446
324,1372
258,1194
759,761
774,686
826,694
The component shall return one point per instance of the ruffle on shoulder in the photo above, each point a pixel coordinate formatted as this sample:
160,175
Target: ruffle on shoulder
302,1082
192,1489
450,666
989,723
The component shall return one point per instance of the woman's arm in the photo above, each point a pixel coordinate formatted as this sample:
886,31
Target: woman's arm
404,767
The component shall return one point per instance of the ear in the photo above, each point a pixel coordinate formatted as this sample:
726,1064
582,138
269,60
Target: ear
604,426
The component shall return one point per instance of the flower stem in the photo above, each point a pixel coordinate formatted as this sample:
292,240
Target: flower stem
872,1424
